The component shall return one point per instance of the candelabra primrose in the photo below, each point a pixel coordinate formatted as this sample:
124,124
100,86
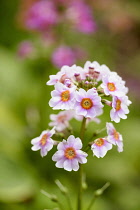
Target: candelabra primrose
82,93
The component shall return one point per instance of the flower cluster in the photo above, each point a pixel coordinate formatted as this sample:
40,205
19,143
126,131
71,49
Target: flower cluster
51,20
82,93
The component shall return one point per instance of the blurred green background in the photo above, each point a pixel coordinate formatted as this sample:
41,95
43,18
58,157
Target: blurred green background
24,111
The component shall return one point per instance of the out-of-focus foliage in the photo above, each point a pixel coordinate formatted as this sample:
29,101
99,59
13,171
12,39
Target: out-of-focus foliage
24,110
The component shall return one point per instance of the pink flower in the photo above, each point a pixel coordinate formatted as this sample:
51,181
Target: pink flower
81,18
61,120
100,147
62,97
63,55
44,142
114,137
92,69
41,15
113,85
69,154
119,108
25,49
88,104
66,73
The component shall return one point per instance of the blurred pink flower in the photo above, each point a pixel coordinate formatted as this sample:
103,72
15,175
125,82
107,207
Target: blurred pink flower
25,49
63,55
80,15
41,15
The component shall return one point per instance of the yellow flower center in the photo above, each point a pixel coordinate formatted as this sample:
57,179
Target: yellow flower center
116,135
86,103
99,142
65,96
118,105
43,139
70,153
111,86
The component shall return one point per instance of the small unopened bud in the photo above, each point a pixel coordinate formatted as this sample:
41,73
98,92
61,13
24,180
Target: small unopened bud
101,190
62,188
77,76
51,197
109,103
67,82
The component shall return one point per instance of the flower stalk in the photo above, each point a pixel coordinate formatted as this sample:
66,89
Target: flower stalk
79,200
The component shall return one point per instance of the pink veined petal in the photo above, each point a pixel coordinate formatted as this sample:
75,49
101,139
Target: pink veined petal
36,147
91,113
43,151
81,156
58,155
68,165
35,140
102,151
71,140
108,145
53,103
78,143
120,146
48,146
60,163
62,145
74,164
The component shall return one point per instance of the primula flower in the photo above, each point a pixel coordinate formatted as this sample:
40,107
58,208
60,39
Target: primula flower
88,104
113,85
61,120
44,142
119,108
114,137
100,147
80,16
25,49
69,154
66,72
41,15
63,55
62,97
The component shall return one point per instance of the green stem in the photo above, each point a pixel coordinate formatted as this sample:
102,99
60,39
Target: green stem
79,200
97,193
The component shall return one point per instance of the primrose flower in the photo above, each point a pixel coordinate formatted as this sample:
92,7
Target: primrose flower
66,73
41,15
113,85
62,97
88,104
61,120
119,108
80,16
63,55
26,49
114,137
100,147
92,69
69,154
44,142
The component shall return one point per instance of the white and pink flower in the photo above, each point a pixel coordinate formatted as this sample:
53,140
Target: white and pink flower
66,73
69,154
88,104
62,97
61,120
44,142
113,85
100,147
114,137
119,108
92,69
